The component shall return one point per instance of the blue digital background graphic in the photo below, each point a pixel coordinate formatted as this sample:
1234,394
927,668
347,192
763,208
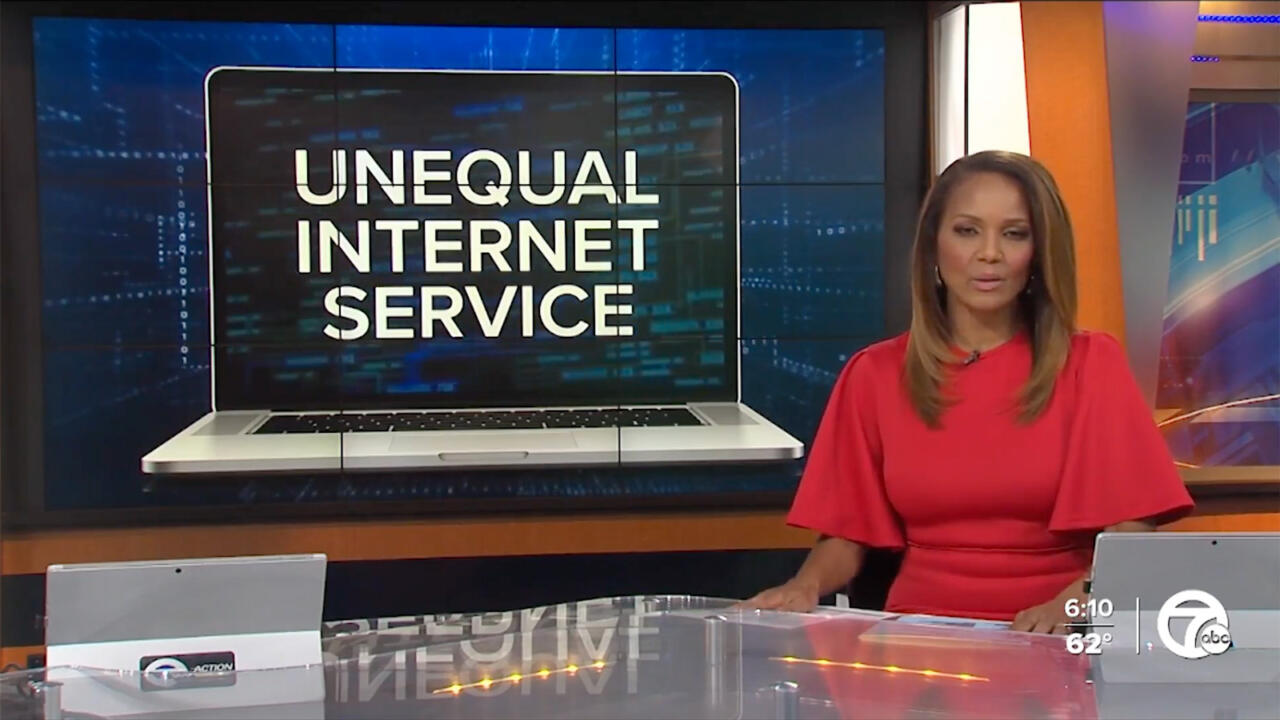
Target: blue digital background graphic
1220,343
125,268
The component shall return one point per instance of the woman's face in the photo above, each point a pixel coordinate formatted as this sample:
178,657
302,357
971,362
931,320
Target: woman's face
985,246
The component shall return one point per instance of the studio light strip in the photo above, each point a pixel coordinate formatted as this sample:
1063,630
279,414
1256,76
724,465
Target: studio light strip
515,678
1242,19
884,668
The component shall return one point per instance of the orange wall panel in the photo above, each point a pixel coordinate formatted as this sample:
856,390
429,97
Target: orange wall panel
1068,116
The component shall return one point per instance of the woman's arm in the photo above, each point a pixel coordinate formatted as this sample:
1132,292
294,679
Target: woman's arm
1051,617
831,564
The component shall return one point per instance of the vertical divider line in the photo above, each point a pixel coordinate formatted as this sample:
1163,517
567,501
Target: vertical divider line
964,8
615,372
1213,142
338,355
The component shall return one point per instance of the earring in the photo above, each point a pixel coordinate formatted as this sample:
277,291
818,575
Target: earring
1031,279
937,274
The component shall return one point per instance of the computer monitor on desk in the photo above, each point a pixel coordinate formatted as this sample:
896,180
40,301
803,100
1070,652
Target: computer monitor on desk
1192,619
186,634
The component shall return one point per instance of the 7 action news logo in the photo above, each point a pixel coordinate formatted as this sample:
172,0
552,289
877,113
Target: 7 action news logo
1206,633
190,670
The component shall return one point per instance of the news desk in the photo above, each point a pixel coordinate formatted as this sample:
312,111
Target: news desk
659,657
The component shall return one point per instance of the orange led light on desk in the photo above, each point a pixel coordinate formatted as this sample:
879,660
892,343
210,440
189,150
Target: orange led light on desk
515,678
883,668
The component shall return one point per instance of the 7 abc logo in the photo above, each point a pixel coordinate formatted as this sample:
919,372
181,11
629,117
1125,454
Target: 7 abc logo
1206,633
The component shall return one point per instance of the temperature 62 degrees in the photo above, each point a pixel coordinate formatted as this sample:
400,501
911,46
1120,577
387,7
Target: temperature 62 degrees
1087,643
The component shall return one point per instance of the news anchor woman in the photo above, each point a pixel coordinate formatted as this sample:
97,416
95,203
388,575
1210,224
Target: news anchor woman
992,441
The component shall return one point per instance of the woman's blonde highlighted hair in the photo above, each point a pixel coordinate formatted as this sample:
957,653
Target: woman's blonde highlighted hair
1047,306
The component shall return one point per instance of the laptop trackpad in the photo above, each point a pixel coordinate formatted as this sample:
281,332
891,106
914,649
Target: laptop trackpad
466,447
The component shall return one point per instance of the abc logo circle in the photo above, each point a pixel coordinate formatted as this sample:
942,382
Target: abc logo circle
1215,639
1206,633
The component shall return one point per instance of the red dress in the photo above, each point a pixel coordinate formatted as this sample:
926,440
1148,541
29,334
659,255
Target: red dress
993,516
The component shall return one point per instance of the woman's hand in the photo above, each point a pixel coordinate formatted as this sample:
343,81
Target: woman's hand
1051,617
795,595
830,565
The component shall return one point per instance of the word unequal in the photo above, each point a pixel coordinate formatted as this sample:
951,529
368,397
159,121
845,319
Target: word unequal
592,178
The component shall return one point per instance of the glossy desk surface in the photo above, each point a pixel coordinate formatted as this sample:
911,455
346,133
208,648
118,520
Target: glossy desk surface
666,657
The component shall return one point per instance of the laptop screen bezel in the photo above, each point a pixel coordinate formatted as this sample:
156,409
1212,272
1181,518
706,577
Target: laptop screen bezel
228,395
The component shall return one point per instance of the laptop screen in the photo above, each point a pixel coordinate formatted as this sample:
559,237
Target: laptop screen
472,239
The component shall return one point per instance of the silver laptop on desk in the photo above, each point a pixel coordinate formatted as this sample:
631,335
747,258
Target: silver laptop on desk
1187,608
187,635
483,269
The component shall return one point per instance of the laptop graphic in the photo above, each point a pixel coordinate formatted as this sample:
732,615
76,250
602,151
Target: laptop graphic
476,269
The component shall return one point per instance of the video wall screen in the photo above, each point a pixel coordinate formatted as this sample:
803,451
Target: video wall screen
309,263
1220,346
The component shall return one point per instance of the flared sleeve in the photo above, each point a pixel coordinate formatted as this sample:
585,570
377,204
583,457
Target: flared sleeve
1117,466
842,491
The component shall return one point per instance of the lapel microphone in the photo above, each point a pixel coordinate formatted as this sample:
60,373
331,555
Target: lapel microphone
973,358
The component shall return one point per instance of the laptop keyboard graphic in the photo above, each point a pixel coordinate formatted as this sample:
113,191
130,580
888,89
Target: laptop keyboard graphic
476,420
